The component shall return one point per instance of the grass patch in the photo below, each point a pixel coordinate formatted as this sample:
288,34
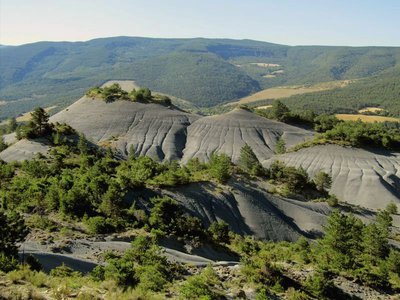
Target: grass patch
367,119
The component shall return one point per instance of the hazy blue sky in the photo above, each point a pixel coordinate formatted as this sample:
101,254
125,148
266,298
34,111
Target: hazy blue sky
293,22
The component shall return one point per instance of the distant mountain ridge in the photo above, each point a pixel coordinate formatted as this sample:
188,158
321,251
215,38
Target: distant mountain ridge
206,72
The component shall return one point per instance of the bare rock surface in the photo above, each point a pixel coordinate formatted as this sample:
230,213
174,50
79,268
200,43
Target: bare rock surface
10,138
228,133
360,177
24,150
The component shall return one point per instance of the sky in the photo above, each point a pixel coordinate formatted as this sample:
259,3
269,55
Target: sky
290,22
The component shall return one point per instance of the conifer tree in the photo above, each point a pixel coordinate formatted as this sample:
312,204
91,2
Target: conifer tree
82,144
322,181
248,161
12,231
40,121
220,167
279,111
341,245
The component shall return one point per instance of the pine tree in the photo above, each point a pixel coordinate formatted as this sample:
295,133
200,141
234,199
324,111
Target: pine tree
322,181
112,201
40,121
249,162
340,248
391,208
279,111
384,222
375,245
220,167
12,231
82,144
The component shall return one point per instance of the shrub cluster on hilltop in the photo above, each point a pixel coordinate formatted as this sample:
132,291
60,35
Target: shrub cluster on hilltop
115,92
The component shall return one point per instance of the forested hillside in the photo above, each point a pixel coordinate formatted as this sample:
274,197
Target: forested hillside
206,72
380,91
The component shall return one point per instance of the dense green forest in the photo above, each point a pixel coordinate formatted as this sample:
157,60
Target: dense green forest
382,91
206,72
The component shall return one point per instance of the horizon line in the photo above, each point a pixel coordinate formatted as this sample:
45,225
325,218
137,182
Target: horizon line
191,38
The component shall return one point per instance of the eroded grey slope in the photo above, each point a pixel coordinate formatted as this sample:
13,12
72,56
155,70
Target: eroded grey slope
229,132
151,129
359,176
248,209
23,150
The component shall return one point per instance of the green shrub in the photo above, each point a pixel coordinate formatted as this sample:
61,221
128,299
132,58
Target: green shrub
3,145
122,271
219,231
98,273
392,208
141,95
280,146
220,167
318,284
294,179
200,286
12,231
64,271
322,181
262,294
249,162
164,213
323,123
393,261
99,225
42,222
7,263
293,294
332,201
151,278
33,263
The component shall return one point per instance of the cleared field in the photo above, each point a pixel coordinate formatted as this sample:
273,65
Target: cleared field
287,91
370,109
265,65
262,65
364,118
264,107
